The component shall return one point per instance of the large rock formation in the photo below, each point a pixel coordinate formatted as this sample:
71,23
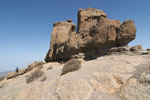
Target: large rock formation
95,35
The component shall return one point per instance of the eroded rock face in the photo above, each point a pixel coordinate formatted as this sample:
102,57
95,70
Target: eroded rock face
63,41
95,35
88,18
126,32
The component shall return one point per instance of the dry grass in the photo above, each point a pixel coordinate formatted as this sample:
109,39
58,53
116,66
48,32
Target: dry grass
2,78
43,78
1,86
71,65
34,75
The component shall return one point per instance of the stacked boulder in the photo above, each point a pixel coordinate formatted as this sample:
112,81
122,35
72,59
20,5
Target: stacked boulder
95,35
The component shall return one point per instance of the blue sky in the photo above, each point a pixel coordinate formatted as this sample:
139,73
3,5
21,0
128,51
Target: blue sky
26,25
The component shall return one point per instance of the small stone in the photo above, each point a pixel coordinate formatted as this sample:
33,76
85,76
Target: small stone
69,20
148,49
147,78
11,75
144,52
136,48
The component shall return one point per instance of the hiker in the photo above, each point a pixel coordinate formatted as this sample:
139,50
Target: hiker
17,70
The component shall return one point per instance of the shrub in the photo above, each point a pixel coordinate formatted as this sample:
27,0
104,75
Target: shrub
50,67
71,65
34,75
35,64
43,78
1,86
2,78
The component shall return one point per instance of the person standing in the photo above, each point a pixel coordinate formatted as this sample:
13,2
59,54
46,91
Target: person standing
17,69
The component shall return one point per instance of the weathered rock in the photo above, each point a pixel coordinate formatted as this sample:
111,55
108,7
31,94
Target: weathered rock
95,35
34,65
132,82
76,90
126,32
119,49
143,52
79,56
11,75
105,82
148,49
139,92
136,48
69,20
24,70
111,77
90,17
147,78
63,41
21,71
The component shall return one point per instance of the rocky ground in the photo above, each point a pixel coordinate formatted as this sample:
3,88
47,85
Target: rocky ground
119,76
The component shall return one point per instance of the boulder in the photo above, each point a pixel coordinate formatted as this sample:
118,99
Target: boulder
120,49
147,78
148,49
95,35
21,71
136,48
126,32
11,75
78,56
33,65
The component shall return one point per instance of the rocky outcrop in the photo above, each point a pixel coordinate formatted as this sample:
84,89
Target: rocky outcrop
95,35
11,75
36,64
15,74
63,41
126,32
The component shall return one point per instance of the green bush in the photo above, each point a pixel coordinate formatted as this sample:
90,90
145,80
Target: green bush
71,65
34,75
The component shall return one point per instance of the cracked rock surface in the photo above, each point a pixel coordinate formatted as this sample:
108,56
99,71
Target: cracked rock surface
111,77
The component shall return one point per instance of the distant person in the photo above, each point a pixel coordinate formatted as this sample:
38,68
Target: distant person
17,69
